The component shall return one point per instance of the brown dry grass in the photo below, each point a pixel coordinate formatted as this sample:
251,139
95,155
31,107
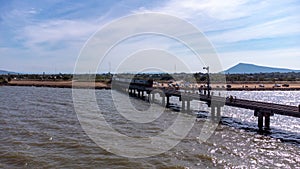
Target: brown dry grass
56,83
104,85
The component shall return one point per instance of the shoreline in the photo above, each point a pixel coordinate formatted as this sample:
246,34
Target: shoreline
60,84
101,85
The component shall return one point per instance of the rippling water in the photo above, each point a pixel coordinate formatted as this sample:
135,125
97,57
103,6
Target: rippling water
40,129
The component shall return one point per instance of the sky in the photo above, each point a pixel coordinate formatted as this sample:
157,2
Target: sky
48,35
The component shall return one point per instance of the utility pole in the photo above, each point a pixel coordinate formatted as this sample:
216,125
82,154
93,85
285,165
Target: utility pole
208,81
175,68
109,67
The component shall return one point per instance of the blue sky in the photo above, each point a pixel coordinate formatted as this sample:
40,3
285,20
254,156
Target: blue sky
47,35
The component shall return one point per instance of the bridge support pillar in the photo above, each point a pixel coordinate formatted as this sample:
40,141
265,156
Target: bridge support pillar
260,120
267,121
153,97
182,105
168,101
218,113
188,105
148,97
163,101
213,113
139,93
261,115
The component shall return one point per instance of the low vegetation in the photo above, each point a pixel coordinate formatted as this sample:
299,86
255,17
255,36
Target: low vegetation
160,77
4,80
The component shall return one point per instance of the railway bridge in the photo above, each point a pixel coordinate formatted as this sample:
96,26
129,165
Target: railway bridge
262,110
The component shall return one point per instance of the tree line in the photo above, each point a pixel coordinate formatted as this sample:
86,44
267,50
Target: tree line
160,77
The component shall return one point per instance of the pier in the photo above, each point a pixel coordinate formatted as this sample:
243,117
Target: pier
262,110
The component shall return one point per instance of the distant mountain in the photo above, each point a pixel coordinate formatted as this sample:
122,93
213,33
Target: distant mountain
4,72
251,68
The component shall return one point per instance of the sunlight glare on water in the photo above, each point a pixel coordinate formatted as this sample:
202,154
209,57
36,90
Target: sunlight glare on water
40,129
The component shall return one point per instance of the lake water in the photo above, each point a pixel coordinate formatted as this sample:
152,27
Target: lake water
40,129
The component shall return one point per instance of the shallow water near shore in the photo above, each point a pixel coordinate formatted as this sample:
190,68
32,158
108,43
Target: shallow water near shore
39,129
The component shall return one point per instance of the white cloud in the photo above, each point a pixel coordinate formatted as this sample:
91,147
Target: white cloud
275,28
57,30
217,9
59,37
49,43
236,20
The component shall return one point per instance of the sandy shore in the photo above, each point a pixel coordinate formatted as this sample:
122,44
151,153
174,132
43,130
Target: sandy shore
99,85
59,84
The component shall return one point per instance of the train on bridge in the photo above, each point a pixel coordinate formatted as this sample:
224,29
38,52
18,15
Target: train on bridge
133,81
